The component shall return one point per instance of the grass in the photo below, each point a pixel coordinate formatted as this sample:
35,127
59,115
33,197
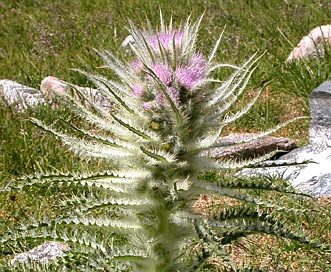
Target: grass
278,254
41,38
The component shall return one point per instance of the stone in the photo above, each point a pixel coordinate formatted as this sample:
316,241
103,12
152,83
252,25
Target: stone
53,87
313,44
320,111
308,169
20,96
250,149
49,250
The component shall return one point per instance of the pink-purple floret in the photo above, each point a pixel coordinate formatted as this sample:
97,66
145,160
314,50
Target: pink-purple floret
138,89
188,75
136,66
166,39
173,94
147,105
163,73
185,76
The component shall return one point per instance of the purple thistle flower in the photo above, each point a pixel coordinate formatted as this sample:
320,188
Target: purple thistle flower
185,77
160,98
189,75
147,105
138,89
174,95
198,62
163,72
136,66
172,92
166,39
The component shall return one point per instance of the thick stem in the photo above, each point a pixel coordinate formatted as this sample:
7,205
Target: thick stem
166,242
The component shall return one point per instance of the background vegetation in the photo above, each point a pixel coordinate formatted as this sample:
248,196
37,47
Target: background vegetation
40,38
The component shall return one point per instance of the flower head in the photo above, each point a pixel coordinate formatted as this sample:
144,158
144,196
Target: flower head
147,105
163,72
160,98
173,94
185,76
136,66
198,63
138,89
190,74
166,39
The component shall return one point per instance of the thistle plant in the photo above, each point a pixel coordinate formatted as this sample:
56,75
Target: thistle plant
167,112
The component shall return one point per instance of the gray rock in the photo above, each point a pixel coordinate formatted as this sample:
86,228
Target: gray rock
320,111
313,44
43,253
52,86
20,96
251,149
308,168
